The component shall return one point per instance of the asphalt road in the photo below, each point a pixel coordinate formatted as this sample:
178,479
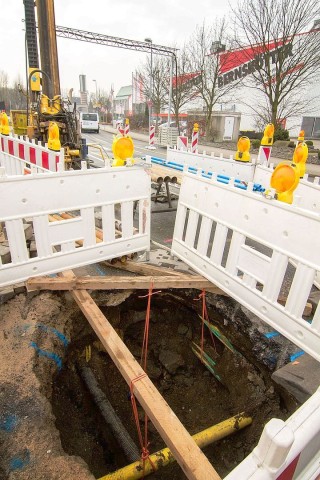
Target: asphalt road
105,140
162,224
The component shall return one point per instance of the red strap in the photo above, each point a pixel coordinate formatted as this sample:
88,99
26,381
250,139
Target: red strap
145,455
205,316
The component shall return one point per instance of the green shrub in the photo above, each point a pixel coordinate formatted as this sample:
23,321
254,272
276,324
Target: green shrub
291,144
255,143
309,143
281,134
252,134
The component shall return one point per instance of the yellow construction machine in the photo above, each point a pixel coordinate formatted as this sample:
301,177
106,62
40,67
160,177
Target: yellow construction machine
45,103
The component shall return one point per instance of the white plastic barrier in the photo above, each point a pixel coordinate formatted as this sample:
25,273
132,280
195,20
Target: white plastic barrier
32,152
211,163
243,243
307,194
286,450
15,166
70,243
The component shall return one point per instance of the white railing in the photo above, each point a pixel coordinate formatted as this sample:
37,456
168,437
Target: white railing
15,166
213,163
243,243
286,450
32,152
71,240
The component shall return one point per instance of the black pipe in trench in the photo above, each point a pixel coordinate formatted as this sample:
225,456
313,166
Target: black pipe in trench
113,421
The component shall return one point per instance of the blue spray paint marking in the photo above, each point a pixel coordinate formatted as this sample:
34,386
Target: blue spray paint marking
50,355
8,423
19,462
296,355
271,334
100,271
56,332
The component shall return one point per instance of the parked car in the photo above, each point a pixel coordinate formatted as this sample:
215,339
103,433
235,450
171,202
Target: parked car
173,124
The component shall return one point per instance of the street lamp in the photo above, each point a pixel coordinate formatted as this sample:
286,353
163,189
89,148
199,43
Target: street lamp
96,94
151,82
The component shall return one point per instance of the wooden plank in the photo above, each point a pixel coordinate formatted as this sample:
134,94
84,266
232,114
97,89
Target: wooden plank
143,269
191,459
118,283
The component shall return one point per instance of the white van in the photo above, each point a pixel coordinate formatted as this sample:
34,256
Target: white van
89,122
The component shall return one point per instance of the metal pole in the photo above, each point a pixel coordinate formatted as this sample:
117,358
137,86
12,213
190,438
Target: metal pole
150,87
170,90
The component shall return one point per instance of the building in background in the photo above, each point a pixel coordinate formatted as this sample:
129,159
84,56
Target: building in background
83,104
123,104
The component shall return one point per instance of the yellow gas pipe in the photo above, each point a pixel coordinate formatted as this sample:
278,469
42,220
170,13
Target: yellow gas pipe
164,457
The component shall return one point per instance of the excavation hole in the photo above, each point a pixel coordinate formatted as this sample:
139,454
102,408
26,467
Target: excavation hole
194,394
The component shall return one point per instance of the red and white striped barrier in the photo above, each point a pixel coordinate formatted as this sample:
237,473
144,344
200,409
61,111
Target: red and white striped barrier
32,152
120,129
264,154
182,143
127,127
195,139
152,132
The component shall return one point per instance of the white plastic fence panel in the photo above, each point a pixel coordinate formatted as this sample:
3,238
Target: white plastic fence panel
212,163
248,249
15,166
71,241
32,152
286,450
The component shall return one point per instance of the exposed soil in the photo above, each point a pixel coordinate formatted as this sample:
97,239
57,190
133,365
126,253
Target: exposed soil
50,427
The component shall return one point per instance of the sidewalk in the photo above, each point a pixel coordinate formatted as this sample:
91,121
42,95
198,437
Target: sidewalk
311,169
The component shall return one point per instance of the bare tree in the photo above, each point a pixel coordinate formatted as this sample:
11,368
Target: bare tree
159,89
280,54
4,91
206,48
184,83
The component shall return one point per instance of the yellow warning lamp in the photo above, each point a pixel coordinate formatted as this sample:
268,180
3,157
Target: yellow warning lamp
268,134
196,127
0,123
301,136
300,156
243,147
54,137
122,148
5,129
284,180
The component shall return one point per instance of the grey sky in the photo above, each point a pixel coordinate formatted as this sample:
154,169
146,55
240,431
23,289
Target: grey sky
166,22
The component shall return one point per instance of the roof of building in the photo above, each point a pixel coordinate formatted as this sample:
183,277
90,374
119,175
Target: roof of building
124,92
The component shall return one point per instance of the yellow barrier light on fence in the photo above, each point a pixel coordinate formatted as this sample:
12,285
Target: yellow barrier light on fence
301,136
123,149
196,127
284,180
54,137
5,129
243,147
300,157
267,139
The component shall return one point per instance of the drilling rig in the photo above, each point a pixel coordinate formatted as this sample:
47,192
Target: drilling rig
45,103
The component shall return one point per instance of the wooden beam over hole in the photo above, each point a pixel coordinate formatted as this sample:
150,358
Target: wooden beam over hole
120,283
